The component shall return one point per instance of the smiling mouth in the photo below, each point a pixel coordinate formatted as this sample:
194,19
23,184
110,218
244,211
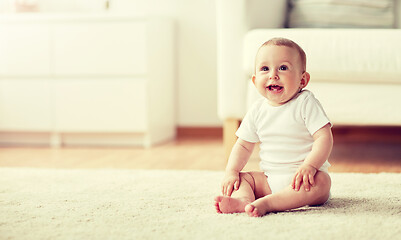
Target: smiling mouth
275,88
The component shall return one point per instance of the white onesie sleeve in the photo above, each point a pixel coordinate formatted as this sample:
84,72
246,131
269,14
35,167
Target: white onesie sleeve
248,130
313,114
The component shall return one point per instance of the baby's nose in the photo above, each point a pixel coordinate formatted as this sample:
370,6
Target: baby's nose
273,76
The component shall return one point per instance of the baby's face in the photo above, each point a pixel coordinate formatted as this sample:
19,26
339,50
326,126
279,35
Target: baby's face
279,75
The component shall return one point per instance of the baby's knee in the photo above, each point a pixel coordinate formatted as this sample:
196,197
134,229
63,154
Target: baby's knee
321,189
246,176
323,181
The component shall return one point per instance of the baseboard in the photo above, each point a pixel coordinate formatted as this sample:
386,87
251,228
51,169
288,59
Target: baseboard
341,133
36,139
200,132
88,139
352,133
367,133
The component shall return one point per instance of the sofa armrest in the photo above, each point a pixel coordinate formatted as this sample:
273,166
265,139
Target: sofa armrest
230,31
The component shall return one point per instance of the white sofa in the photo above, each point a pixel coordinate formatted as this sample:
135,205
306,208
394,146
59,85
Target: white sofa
355,73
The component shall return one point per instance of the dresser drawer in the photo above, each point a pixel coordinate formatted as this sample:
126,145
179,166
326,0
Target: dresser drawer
96,48
25,104
24,49
101,105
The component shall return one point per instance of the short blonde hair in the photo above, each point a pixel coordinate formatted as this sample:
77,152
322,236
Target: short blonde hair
288,43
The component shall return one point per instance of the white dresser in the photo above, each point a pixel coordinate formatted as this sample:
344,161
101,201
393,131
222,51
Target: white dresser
86,80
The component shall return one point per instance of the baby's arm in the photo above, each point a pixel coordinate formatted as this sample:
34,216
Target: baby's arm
239,156
321,149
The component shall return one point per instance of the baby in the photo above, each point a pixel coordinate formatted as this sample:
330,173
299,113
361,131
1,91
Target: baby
294,134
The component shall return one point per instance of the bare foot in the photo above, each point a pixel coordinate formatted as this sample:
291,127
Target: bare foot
252,211
258,208
225,204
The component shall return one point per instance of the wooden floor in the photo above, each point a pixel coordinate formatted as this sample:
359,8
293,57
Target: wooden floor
367,150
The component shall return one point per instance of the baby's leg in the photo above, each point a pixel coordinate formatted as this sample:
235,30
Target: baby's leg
252,186
288,198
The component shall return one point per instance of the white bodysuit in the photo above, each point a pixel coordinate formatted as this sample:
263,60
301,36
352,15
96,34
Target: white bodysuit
285,135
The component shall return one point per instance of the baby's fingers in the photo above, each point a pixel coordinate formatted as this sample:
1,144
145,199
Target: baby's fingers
229,189
306,183
225,190
298,180
294,179
312,180
236,185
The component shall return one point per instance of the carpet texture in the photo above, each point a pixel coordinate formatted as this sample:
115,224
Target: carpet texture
165,204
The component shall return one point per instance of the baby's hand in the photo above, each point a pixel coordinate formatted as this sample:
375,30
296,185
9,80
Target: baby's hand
306,175
230,183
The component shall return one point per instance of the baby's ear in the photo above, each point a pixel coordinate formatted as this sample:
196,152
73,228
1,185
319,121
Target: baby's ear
305,79
253,79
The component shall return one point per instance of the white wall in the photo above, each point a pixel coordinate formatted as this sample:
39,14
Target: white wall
196,47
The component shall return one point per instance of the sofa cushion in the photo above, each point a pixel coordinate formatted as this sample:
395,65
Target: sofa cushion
338,55
341,13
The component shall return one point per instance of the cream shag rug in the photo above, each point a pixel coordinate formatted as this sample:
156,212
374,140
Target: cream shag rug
164,204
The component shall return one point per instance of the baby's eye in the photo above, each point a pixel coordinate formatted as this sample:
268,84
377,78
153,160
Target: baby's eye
264,68
283,68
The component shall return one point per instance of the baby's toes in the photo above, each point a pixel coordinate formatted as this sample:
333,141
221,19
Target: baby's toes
249,209
252,211
217,206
